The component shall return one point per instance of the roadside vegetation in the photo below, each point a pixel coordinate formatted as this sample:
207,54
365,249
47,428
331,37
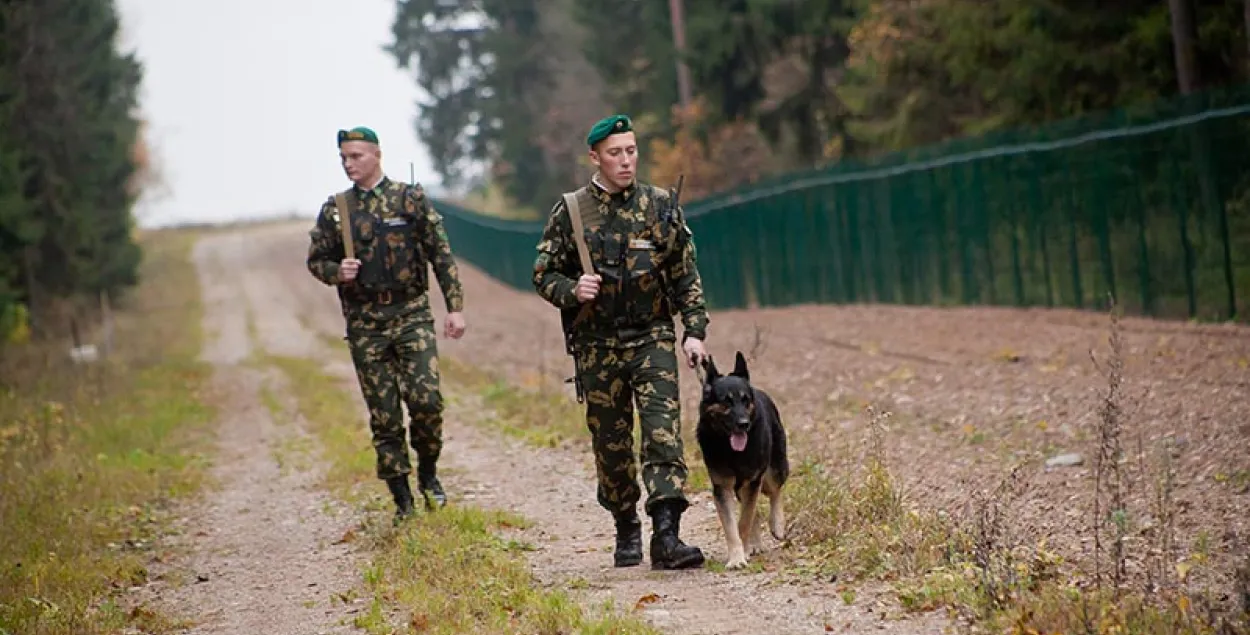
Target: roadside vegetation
92,455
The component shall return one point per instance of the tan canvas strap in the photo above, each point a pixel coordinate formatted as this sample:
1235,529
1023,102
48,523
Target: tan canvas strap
345,221
575,217
583,252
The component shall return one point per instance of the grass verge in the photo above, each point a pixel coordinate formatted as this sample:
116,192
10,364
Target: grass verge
91,457
542,418
454,571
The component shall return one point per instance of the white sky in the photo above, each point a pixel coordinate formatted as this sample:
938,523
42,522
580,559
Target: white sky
244,97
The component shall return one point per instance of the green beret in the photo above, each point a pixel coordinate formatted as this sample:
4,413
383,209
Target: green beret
608,126
359,133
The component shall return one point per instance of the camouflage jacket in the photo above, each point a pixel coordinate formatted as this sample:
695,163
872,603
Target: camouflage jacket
397,234
645,255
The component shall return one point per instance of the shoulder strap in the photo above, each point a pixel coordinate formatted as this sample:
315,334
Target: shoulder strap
345,222
575,217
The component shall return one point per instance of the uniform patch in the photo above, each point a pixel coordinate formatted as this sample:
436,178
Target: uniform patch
640,243
396,222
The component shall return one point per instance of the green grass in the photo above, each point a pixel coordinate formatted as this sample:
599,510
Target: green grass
542,418
333,417
92,457
454,571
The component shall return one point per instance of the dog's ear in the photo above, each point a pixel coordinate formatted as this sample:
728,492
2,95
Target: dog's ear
710,367
740,367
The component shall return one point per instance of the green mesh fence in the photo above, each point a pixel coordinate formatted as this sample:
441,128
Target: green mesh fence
1151,206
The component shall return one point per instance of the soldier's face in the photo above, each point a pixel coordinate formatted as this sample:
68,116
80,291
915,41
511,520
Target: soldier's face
617,159
361,161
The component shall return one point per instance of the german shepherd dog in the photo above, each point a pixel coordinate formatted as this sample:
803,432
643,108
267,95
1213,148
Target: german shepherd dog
744,449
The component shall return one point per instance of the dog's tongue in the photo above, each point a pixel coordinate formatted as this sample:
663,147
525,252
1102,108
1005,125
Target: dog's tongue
738,441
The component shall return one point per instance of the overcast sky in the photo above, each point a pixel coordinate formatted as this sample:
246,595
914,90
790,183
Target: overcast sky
244,98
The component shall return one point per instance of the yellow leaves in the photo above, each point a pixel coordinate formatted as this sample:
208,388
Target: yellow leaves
18,324
1007,355
735,154
643,601
874,36
419,623
1182,570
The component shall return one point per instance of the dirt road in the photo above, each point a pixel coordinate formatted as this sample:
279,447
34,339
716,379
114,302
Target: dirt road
263,552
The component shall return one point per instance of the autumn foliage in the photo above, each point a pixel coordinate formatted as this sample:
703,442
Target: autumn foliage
710,157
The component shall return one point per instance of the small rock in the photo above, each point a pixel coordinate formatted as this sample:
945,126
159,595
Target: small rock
1065,460
201,577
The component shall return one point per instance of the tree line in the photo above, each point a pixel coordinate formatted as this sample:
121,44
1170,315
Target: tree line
72,159
780,85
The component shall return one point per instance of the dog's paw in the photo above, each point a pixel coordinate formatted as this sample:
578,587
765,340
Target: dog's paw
736,561
755,546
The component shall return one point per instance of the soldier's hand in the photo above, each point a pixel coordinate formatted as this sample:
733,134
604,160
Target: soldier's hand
587,288
695,353
454,326
348,269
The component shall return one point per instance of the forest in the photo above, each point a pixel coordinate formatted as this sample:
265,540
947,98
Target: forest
72,160
744,89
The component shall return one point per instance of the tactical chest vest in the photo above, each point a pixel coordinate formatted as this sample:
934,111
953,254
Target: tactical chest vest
388,245
629,249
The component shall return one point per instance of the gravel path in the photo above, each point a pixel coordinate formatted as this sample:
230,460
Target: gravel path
264,557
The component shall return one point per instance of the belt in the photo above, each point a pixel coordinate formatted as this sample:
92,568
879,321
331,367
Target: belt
383,296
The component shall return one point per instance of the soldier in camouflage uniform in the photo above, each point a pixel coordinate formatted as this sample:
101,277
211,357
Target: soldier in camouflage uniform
619,319
384,294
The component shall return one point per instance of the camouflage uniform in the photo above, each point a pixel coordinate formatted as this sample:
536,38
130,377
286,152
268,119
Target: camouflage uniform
624,343
390,327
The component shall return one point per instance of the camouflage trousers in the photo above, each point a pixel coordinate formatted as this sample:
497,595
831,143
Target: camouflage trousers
399,364
614,381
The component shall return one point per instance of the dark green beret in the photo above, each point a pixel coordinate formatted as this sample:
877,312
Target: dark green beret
359,133
608,126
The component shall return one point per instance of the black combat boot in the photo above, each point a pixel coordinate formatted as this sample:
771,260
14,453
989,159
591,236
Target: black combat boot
431,489
667,550
403,496
628,539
